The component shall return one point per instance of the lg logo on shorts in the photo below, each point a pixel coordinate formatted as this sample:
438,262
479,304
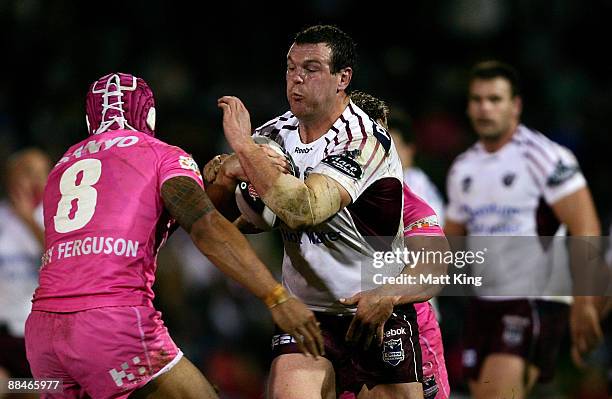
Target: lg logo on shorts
394,332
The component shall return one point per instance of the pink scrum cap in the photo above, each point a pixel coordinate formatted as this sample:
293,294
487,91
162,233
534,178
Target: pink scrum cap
120,101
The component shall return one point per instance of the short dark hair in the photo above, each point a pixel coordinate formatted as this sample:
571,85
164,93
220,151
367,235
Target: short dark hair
376,108
343,48
492,69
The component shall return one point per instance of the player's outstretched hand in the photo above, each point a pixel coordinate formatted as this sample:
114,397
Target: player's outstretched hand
373,310
231,168
236,121
293,317
230,165
211,169
585,328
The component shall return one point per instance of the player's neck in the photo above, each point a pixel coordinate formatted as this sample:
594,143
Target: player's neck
496,144
313,129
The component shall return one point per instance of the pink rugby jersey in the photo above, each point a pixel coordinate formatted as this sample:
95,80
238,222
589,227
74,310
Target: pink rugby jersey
419,218
105,221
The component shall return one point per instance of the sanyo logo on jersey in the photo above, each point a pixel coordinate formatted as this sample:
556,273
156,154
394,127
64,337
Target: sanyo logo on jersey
299,150
94,146
395,331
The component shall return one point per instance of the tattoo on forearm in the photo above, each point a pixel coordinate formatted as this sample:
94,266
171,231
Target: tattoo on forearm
185,200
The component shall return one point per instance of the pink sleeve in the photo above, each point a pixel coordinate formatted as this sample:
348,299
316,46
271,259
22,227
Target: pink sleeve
176,162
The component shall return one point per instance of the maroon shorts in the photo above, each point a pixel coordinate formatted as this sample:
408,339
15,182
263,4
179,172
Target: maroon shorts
397,361
531,329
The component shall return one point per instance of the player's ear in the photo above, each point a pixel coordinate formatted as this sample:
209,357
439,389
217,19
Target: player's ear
345,75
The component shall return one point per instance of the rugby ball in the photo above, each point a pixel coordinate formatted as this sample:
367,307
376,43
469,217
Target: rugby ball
250,204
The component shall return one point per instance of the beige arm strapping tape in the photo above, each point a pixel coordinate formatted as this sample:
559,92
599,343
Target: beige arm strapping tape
303,204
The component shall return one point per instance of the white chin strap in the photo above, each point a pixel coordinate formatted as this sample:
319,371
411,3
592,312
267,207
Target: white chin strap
151,118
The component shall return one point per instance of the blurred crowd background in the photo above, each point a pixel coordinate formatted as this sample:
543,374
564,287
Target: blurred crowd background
414,55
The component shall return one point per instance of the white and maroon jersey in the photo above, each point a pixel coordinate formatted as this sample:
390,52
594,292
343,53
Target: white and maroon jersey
508,193
324,263
105,221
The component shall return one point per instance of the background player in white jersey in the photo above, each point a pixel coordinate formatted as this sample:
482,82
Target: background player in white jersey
494,189
109,205
21,244
348,188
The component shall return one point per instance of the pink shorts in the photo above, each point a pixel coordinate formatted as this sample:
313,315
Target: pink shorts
100,353
435,378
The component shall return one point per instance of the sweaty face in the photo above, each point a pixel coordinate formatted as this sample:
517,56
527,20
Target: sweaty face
311,87
492,109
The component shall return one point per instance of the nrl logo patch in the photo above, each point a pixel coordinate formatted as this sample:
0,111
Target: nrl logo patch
393,352
514,329
562,173
189,164
429,221
344,165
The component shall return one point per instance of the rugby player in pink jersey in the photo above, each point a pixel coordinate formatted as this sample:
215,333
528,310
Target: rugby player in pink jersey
109,204
420,220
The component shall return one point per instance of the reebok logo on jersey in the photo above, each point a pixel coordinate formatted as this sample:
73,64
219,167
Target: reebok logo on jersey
561,173
302,150
395,331
344,165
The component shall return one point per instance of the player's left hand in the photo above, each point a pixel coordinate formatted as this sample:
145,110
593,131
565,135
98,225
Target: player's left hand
236,121
585,328
373,310
211,169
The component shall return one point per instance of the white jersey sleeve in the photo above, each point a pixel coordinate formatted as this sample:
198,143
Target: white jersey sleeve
554,167
455,209
358,156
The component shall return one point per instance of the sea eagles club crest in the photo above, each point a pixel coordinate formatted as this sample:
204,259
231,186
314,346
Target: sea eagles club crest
393,352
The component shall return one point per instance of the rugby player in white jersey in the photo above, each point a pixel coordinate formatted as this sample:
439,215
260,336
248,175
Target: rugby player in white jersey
348,188
494,189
